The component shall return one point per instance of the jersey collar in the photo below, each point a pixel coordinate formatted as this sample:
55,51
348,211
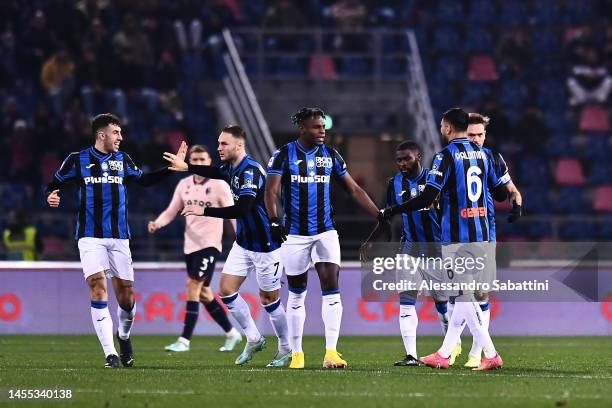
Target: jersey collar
299,146
240,165
99,154
460,140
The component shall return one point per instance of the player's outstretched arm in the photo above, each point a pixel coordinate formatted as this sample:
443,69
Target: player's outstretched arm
358,194
168,215
239,210
382,227
423,200
154,177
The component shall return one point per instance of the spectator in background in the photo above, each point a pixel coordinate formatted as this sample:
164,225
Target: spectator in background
607,56
22,151
349,16
57,79
21,240
166,76
94,9
135,54
589,81
531,132
77,126
153,150
284,14
188,14
38,42
514,50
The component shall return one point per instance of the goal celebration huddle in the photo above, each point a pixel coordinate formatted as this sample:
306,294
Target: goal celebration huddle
282,215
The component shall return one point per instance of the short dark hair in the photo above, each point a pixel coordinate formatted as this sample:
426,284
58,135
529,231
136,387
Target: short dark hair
457,118
305,113
409,145
236,131
103,120
198,148
478,119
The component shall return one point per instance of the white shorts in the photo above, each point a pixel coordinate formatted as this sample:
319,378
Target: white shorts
482,269
299,251
109,255
267,266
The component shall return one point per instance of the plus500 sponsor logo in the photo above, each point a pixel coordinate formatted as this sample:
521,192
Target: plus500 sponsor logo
318,178
107,179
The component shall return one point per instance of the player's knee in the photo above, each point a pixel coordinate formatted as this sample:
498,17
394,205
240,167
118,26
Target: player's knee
268,297
206,295
98,293
481,296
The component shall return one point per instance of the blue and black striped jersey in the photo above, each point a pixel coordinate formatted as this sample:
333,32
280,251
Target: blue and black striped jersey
252,231
464,174
501,171
102,192
418,226
305,185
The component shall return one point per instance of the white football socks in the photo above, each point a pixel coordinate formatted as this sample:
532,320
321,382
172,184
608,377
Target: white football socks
239,309
408,321
296,316
278,318
103,324
126,321
331,312
476,349
467,312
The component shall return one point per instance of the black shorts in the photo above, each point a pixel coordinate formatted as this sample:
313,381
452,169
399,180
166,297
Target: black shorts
201,264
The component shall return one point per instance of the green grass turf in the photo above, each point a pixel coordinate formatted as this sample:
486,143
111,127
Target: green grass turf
538,371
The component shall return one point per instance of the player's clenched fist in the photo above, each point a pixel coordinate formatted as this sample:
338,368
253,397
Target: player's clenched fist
54,199
152,227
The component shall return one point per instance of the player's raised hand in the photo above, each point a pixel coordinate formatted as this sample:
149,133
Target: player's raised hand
176,162
152,227
182,151
54,199
192,210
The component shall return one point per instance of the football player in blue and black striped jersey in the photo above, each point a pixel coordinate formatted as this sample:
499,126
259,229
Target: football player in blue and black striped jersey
300,174
102,230
461,175
255,249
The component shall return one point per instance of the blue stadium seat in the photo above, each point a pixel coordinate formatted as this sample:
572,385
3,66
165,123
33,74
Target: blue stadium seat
478,40
291,67
576,11
513,94
482,12
604,230
533,172
474,93
539,229
547,12
451,68
571,200
598,147
394,67
545,41
536,200
446,39
559,145
449,11
514,12
601,172
578,231
355,67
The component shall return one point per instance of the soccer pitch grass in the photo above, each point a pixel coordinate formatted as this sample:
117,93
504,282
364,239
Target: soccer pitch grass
538,371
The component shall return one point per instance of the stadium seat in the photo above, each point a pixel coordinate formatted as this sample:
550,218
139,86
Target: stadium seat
482,68
450,68
533,172
604,230
482,11
394,68
571,200
578,231
603,199
598,147
322,66
446,39
449,11
547,12
545,41
536,200
48,166
594,119
601,173
568,172
355,67
513,12
475,93
478,40
54,248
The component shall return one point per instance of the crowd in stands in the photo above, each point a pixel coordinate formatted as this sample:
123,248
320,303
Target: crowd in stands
539,69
